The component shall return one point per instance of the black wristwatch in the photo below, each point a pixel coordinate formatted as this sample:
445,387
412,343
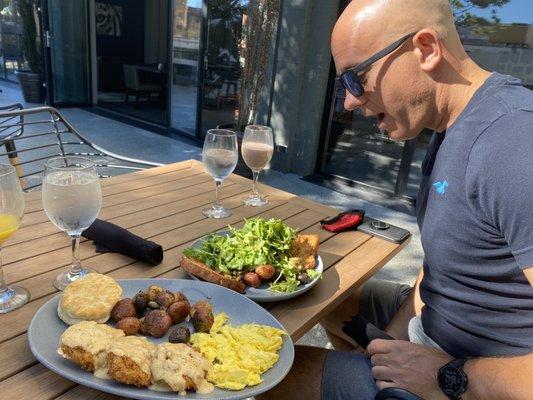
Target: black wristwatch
452,379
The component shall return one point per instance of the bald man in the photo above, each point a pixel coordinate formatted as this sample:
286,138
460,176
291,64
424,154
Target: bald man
465,331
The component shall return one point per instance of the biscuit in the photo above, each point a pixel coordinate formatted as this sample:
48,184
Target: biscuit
90,298
129,359
86,343
179,367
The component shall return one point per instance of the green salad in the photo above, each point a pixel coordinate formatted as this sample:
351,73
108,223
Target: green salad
258,242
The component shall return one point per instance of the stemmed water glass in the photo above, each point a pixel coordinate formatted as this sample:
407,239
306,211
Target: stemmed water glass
257,149
11,210
219,155
71,199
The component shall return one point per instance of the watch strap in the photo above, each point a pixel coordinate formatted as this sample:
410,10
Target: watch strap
457,363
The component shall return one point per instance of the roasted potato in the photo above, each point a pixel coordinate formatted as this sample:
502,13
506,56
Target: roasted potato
153,291
130,325
165,299
180,296
178,311
156,323
203,320
124,308
179,334
265,271
200,304
252,279
144,327
140,300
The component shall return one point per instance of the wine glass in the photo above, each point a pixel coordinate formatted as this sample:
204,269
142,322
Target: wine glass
257,149
11,210
71,199
219,155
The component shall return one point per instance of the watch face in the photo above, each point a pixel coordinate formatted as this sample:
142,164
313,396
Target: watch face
451,380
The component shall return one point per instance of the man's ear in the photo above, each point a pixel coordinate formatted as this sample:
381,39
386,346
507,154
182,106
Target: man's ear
428,49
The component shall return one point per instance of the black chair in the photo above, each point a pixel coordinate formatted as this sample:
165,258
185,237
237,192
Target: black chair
42,133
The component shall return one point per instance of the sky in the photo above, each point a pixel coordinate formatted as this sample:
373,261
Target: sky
194,3
514,11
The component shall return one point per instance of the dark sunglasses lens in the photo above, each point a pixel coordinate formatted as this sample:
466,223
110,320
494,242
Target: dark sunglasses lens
351,83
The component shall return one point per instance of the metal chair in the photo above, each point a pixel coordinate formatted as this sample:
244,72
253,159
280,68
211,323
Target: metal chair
7,133
31,136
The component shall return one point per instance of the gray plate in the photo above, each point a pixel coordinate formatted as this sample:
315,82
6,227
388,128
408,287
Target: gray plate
46,328
263,294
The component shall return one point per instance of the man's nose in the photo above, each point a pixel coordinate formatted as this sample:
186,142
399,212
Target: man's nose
351,102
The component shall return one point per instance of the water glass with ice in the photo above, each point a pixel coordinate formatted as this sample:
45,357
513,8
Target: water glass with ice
71,199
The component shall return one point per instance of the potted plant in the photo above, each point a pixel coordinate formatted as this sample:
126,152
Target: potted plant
30,79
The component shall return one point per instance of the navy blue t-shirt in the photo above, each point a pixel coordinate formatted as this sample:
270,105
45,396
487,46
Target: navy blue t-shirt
475,213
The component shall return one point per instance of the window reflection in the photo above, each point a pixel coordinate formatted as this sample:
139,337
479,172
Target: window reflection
226,25
357,150
185,59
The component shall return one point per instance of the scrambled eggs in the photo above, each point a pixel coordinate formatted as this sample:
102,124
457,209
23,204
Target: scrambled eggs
239,354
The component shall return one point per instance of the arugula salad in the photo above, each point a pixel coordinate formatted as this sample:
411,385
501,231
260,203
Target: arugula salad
258,242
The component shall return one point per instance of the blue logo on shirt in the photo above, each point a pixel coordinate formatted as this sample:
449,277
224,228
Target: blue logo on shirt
440,187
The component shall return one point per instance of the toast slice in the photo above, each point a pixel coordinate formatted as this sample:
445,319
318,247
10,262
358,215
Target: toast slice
305,249
202,271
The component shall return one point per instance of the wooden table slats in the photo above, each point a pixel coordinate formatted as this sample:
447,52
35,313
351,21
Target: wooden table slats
164,204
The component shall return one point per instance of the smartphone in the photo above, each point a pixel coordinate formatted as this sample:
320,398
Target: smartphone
384,230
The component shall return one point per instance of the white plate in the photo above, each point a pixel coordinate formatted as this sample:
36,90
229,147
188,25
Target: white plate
46,328
263,294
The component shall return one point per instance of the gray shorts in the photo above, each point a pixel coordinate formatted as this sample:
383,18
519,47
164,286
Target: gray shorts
380,300
347,375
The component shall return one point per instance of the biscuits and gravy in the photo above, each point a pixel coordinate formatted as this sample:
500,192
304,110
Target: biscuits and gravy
178,367
129,359
86,343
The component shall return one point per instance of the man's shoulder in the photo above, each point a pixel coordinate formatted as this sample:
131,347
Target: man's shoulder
502,119
511,98
501,99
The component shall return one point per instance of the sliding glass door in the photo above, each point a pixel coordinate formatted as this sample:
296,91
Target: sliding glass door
206,44
186,61
66,32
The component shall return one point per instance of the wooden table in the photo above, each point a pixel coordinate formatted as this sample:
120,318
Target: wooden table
164,204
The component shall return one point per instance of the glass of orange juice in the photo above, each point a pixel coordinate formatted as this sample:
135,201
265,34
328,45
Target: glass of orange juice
11,210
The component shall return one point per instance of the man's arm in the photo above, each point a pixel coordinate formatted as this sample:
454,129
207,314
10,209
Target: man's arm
499,378
528,272
412,306
398,363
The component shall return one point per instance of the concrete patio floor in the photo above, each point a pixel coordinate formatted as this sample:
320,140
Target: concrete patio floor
134,142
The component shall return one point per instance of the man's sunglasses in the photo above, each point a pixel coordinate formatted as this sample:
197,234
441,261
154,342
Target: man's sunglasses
350,79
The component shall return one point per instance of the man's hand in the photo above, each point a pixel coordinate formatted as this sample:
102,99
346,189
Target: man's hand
402,364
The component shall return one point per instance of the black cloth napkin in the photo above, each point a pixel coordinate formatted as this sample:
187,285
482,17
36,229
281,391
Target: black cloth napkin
363,331
110,238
